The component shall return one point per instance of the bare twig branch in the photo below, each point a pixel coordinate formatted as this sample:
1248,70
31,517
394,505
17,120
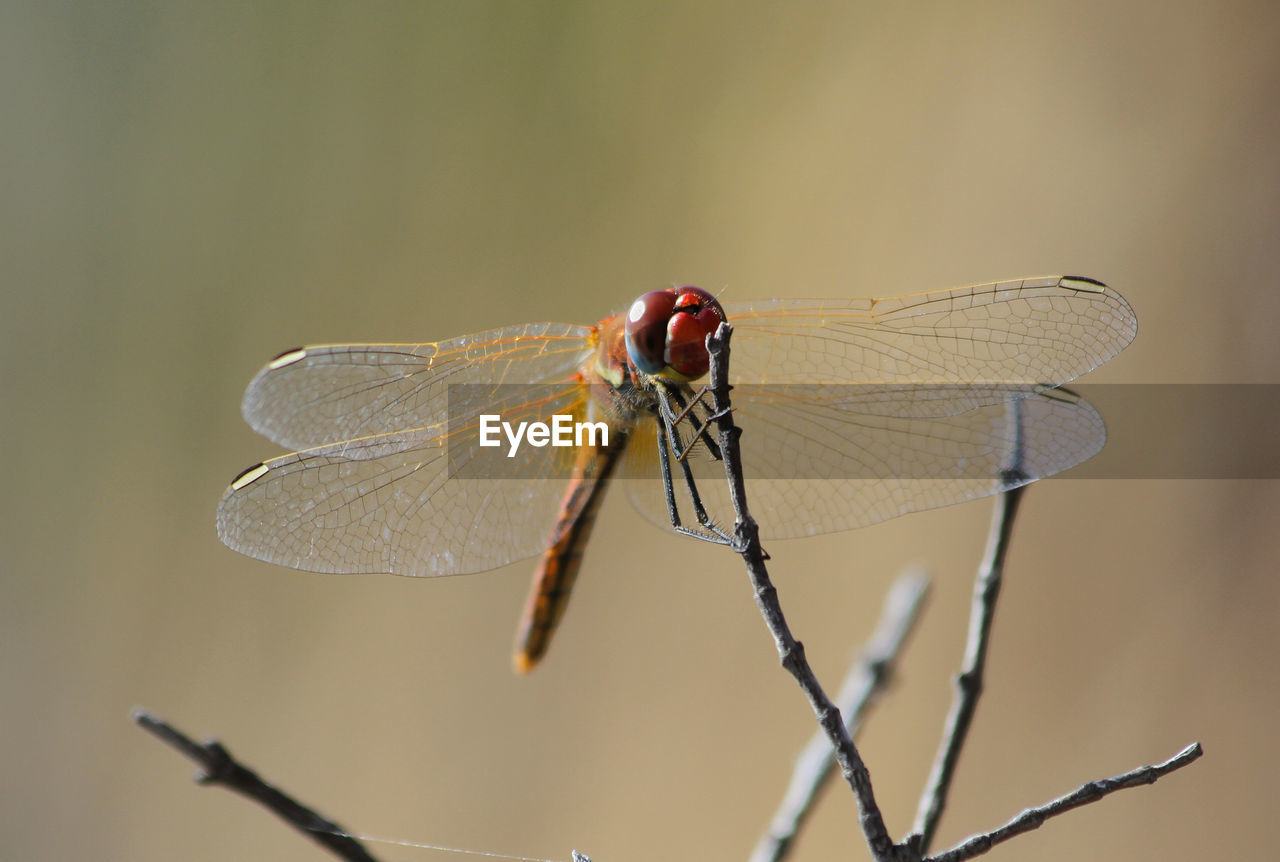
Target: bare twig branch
1034,818
222,769
969,683
867,678
790,651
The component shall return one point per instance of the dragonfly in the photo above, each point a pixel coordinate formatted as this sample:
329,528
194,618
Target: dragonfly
853,411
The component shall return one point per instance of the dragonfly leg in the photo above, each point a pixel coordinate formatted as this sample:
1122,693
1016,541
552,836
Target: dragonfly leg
673,512
702,423
669,433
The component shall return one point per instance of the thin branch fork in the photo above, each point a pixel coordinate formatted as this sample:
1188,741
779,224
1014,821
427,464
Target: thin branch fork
790,650
866,679
969,683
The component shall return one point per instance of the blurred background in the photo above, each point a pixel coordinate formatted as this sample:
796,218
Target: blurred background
191,188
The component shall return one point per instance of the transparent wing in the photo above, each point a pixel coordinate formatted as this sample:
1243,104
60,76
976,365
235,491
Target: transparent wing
1040,330
856,411
404,502
312,396
814,467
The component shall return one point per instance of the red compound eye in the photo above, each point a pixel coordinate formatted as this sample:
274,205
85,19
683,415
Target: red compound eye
666,331
646,330
697,314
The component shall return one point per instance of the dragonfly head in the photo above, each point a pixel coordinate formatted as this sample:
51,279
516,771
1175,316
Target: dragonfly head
666,332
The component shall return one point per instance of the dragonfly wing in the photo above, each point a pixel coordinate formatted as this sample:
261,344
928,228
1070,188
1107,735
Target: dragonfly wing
313,396
1039,330
816,468
409,503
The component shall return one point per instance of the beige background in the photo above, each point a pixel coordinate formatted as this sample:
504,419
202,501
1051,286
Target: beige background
189,189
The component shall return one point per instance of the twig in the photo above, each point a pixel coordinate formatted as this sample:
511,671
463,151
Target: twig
1034,818
222,769
867,678
790,651
969,682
